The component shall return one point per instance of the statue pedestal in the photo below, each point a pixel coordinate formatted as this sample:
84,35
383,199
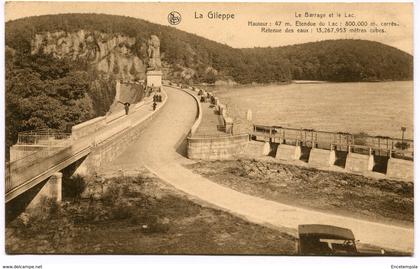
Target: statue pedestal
154,78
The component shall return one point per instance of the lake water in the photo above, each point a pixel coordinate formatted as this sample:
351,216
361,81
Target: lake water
380,108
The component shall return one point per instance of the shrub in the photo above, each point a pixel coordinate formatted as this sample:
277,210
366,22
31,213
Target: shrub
152,224
122,211
40,219
54,207
74,186
111,195
402,145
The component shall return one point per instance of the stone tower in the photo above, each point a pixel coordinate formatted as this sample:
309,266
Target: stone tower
154,65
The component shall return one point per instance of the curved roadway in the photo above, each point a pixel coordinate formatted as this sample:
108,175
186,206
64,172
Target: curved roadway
157,150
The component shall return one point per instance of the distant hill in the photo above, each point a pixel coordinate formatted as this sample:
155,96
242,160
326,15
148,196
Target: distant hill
61,69
196,59
339,60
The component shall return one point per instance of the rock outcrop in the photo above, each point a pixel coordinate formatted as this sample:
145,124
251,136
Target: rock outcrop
110,54
153,52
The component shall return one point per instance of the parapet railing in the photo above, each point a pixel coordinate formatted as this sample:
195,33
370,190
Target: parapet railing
42,137
365,144
217,136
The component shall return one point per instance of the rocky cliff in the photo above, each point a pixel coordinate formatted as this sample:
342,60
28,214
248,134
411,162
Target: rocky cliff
111,55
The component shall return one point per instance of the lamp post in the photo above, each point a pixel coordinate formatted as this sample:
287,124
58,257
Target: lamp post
403,129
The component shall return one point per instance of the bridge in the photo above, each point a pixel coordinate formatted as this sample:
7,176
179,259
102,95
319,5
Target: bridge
156,140
24,173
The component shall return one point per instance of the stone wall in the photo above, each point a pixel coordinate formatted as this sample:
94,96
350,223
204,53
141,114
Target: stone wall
18,152
216,148
400,169
288,152
154,78
321,157
359,162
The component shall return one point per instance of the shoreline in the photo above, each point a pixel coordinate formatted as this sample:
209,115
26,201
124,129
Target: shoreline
254,85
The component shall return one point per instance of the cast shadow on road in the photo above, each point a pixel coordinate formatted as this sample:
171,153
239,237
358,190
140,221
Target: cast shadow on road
181,146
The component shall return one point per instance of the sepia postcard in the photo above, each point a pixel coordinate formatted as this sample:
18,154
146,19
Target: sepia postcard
145,128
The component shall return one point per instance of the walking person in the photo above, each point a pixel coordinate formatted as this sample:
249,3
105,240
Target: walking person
154,106
126,106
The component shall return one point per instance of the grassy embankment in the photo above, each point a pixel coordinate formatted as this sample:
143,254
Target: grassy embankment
339,193
138,215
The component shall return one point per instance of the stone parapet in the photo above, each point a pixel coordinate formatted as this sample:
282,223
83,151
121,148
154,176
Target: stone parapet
266,148
400,169
321,157
358,162
88,127
216,148
288,152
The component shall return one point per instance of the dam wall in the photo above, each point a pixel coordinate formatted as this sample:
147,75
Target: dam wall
354,153
397,169
319,149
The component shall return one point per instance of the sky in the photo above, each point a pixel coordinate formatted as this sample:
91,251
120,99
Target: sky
236,32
